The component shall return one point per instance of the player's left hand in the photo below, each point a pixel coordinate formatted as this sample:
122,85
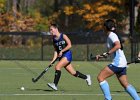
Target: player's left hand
105,55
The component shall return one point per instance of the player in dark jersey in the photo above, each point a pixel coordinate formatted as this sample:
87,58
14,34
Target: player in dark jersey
62,45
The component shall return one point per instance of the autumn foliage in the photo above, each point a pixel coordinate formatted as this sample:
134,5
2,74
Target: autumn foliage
69,14
95,13
17,21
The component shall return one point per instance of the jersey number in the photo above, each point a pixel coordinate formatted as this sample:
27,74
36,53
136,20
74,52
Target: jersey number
60,47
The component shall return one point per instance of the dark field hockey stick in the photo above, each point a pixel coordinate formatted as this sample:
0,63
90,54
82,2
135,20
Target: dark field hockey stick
43,72
105,56
92,57
135,61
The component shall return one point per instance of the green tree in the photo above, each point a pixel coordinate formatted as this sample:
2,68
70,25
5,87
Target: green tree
2,6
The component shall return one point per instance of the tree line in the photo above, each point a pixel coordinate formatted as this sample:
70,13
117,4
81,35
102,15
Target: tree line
71,15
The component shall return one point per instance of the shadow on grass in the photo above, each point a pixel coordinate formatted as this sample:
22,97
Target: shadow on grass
46,90
29,89
40,90
122,91
118,91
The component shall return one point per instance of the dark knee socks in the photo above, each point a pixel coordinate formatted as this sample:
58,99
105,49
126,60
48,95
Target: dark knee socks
57,77
80,75
58,74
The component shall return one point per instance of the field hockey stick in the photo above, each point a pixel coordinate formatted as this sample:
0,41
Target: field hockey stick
135,61
104,55
92,57
43,72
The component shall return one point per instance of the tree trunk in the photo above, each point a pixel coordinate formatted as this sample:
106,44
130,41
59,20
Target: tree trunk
8,6
14,7
55,5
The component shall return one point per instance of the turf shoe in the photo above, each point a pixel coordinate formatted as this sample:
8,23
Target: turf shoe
88,80
53,86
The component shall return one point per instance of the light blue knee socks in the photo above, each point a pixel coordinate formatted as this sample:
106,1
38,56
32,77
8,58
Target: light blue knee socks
132,92
106,90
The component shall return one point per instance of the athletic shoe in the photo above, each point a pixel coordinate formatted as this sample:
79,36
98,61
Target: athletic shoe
88,80
52,85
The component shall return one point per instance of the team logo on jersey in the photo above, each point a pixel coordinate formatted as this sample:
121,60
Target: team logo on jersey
60,43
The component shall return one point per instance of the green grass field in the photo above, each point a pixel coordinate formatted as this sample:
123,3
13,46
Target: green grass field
15,74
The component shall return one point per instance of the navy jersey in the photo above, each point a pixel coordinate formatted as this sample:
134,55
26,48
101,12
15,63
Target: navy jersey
60,43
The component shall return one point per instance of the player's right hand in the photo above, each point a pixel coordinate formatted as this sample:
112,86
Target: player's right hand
98,57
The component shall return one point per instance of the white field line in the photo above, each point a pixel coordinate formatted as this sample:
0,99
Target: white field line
16,68
63,94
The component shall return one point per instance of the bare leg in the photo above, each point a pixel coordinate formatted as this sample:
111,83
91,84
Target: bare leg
105,73
123,80
71,70
63,62
129,88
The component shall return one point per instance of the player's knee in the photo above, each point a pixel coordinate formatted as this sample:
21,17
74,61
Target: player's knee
125,84
100,78
57,68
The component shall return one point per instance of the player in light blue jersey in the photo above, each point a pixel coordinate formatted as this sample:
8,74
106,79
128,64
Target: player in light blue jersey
62,45
118,65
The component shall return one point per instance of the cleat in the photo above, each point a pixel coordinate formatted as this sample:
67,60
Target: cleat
88,80
52,85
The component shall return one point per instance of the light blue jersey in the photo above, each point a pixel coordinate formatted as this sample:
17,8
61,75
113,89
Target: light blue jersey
119,59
